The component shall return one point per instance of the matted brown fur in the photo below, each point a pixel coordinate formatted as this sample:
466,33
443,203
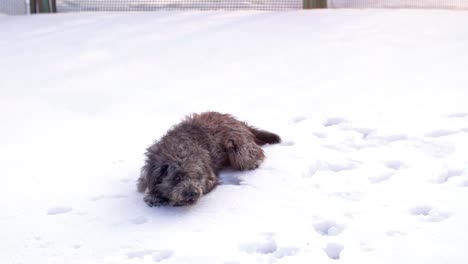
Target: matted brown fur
184,164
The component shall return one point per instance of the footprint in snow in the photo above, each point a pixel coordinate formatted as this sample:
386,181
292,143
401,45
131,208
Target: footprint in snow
139,253
266,246
162,255
333,250
337,167
393,138
285,252
59,210
328,228
394,164
156,255
298,119
333,121
364,131
320,134
441,133
382,177
446,175
429,214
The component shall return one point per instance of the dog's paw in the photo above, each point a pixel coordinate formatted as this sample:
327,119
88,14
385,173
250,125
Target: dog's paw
254,165
251,164
257,163
152,201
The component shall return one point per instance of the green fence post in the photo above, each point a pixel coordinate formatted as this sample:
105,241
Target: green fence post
53,6
309,4
42,6
32,6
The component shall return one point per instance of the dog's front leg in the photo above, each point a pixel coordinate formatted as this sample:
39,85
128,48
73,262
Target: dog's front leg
152,200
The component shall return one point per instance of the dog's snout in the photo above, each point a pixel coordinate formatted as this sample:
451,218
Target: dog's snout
190,195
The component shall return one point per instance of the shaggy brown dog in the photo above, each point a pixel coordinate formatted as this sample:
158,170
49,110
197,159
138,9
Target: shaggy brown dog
184,164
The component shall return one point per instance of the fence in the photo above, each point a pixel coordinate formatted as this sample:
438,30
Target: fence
39,6
13,7
441,4
151,5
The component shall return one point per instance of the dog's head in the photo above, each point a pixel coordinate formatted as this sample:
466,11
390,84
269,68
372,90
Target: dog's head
175,182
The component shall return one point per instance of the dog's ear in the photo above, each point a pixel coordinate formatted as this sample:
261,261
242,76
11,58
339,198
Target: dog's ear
158,174
162,170
142,183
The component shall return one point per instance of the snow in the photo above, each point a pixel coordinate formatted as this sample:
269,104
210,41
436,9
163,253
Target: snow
371,106
333,250
58,210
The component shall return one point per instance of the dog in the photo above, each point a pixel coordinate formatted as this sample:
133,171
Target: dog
185,163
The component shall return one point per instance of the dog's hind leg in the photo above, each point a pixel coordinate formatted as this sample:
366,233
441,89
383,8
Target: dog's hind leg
244,154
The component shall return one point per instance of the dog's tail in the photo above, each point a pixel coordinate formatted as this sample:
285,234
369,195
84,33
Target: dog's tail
263,137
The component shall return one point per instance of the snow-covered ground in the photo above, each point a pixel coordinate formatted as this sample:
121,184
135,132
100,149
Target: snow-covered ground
371,105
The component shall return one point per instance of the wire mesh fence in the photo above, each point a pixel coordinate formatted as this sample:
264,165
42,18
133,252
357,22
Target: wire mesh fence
13,7
151,5
22,6
441,4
